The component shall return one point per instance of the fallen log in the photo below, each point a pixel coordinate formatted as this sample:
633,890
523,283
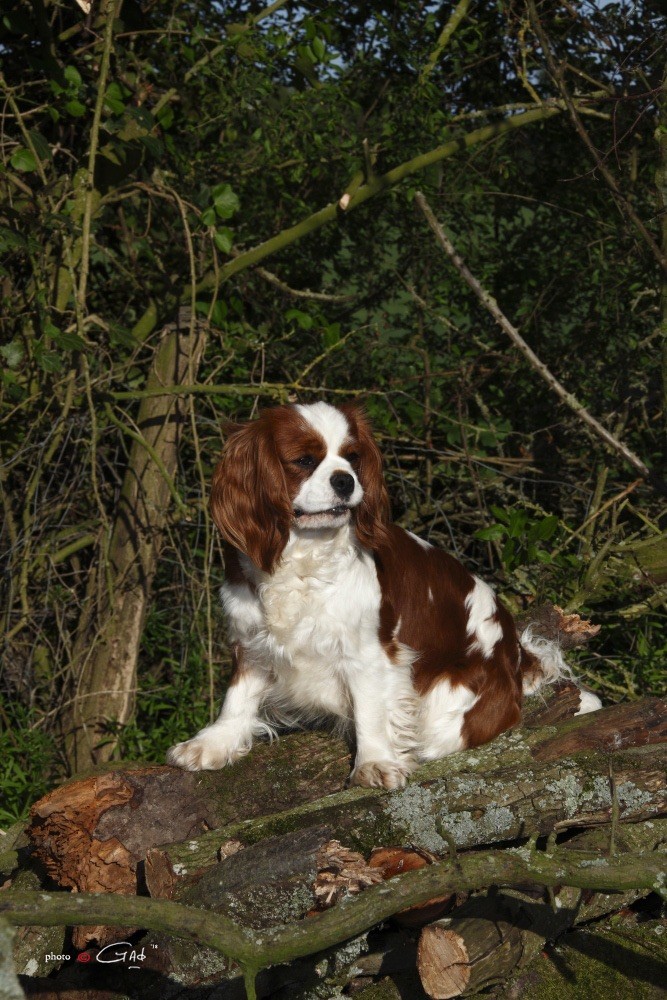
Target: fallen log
254,949
474,954
530,780
513,788
625,958
10,988
92,834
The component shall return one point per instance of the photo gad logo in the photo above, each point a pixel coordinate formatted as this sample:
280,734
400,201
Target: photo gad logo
118,952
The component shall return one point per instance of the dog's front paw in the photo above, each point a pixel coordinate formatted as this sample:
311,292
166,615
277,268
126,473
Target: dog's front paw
380,774
209,750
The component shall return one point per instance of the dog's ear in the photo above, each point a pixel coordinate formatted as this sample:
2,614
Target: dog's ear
372,514
249,500
229,427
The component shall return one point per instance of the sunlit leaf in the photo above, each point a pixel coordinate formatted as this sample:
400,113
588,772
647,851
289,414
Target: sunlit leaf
22,159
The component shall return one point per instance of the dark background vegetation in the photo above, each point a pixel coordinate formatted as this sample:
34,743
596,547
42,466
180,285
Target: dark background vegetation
218,127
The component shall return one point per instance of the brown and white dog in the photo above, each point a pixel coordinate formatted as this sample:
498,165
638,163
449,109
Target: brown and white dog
335,611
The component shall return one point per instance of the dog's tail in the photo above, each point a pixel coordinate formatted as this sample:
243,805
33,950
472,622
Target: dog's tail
542,662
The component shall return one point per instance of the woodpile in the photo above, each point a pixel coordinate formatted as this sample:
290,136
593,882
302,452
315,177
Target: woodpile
278,845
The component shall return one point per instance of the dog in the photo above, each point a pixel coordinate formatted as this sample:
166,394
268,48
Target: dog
335,611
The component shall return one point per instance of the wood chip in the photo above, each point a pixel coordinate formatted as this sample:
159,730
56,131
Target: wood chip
341,871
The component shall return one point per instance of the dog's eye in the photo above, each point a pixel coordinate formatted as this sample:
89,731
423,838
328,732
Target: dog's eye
352,458
306,462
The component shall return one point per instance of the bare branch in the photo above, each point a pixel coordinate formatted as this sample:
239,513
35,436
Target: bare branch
622,202
492,307
90,194
453,22
303,293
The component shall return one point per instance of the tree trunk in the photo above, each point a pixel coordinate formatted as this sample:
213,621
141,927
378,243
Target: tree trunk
661,184
107,645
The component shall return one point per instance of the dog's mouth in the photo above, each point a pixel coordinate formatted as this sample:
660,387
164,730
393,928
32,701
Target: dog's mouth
321,518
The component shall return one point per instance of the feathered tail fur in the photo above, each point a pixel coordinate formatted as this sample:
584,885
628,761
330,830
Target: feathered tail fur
542,662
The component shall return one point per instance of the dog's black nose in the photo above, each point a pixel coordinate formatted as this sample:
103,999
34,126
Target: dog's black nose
343,484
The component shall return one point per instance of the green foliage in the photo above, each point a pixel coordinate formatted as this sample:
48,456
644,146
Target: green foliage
220,129
174,682
28,758
523,536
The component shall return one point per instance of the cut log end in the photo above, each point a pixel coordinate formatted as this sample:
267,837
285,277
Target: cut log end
464,954
443,962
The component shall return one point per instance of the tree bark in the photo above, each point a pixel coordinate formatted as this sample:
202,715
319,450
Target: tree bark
10,988
474,954
281,943
517,786
107,644
661,185
581,772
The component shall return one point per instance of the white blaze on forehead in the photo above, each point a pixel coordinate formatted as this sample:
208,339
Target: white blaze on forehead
330,424
317,493
483,626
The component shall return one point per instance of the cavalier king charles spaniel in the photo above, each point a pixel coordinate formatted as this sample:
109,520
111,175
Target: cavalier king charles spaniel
334,611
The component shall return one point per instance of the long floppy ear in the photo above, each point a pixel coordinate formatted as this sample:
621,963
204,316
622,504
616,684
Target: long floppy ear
372,514
249,500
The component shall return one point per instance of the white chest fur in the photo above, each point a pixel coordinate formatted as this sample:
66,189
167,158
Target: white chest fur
311,623
324,598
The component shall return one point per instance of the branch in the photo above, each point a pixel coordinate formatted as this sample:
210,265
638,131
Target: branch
492,307
369,190
252,20
378,185
27,138
622,202
303,293
277,390
141,440
352,916
455,19
107,12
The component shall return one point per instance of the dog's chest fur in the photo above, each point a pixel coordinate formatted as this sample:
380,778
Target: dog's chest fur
311,621
323,598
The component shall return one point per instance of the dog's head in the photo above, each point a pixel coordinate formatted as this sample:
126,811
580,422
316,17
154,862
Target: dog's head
303,468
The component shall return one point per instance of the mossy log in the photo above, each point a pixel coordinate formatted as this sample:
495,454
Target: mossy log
10,988
526,782
96,833
352,916
644,561
624,958
636,566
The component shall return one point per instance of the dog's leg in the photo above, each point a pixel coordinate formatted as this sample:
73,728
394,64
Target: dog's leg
230,736
383,702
